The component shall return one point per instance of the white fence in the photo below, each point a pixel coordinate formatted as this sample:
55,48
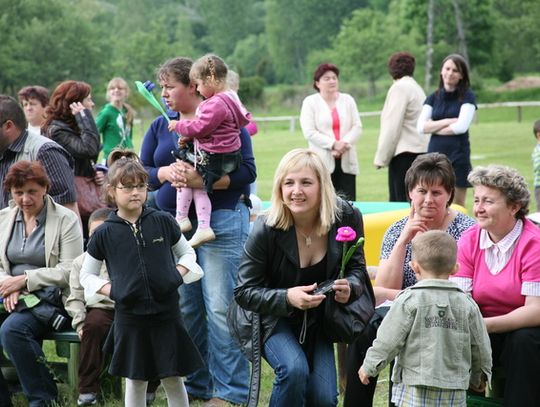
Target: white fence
293,119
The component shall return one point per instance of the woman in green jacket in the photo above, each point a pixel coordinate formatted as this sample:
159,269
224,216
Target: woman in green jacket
115,120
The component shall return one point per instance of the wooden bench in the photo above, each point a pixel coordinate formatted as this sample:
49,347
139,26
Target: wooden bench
68,346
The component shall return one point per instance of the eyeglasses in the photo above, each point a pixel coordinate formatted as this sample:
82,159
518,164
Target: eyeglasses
129,188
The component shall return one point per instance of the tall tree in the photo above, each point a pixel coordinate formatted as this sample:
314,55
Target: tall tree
295,28
161,29
462,40
429,44
516,36
229,21
476,22
362,47
46,42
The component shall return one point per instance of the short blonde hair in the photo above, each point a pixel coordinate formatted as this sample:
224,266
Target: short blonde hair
279,215
508,181
121,82
435,251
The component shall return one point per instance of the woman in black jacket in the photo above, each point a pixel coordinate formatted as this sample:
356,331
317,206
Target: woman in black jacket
70,124
290,251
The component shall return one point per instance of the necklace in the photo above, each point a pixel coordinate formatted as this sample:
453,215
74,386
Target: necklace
306,237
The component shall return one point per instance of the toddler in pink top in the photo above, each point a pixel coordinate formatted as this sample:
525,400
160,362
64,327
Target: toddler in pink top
210,142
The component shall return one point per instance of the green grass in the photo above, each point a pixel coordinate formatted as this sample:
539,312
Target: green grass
496,137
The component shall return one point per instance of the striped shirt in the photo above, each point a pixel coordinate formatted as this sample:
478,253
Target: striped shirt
536,164
57,162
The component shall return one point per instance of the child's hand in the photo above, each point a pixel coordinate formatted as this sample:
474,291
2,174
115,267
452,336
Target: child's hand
105,290
364,378
172,125
80,332
182,270
182,142
481,387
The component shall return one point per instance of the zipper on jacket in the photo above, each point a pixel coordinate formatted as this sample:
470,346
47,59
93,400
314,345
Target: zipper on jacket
139,239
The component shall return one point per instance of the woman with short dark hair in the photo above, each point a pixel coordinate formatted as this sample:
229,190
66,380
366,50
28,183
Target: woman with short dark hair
34,100
39,241
331,125
430,183
399,142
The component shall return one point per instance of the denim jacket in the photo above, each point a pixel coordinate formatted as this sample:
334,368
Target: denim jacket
438,335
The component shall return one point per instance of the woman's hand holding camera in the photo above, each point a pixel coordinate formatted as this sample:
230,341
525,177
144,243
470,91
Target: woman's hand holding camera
300,297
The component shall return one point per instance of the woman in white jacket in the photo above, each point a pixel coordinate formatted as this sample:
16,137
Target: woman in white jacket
331,124
399,142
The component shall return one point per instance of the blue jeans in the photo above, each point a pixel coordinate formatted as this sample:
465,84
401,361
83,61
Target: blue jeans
204,307
295,384
20,337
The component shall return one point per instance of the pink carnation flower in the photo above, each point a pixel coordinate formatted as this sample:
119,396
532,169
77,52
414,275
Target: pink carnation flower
345,234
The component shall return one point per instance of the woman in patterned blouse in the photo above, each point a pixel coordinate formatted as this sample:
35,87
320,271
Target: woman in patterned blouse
430,183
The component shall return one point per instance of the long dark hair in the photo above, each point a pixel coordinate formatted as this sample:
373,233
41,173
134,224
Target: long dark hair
464,83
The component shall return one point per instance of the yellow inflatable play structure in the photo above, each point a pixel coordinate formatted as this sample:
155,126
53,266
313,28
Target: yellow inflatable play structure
376,224
378,216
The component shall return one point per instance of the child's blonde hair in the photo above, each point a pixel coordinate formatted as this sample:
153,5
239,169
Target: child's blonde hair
121,82
211,70
435,251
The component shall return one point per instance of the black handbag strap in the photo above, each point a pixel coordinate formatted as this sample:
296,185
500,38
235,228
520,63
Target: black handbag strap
255,381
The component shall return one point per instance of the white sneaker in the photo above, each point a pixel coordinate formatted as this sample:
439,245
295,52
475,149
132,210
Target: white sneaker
185,224
87,399
202,236
150,398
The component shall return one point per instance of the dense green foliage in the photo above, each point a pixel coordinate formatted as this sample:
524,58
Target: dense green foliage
277,40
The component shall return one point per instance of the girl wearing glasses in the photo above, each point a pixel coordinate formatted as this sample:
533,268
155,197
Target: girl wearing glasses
148,339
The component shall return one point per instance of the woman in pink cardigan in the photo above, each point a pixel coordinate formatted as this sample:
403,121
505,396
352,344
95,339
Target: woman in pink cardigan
499,260
331,124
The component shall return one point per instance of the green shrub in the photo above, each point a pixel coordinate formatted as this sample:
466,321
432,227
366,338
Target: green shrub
518,95
251,89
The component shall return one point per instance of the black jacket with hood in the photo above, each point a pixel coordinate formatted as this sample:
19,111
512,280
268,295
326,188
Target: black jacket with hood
140,262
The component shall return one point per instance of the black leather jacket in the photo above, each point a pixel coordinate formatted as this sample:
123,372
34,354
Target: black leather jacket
269,255
83,145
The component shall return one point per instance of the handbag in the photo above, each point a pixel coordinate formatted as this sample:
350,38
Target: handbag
345,322
88,195
245,329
